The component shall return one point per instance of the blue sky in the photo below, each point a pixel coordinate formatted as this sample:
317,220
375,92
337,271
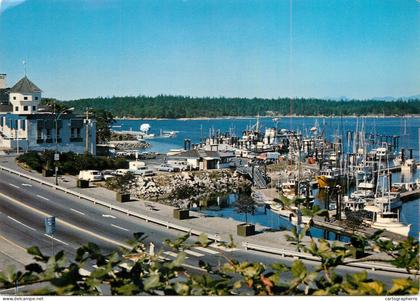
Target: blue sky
244,48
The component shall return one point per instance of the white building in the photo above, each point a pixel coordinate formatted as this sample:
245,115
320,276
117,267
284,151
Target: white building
23,125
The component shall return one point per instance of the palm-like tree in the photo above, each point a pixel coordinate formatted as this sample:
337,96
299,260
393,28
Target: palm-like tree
314,211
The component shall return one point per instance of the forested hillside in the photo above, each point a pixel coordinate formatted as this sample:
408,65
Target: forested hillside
163,106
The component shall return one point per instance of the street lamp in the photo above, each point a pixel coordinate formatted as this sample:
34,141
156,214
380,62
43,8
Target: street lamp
56,155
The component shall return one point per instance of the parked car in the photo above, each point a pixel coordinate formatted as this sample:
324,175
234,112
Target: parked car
121,172
168,168
142,171
90,175
108,174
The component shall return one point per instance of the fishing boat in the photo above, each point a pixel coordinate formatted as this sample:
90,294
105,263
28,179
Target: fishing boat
354,203
328,177
388,202
387,220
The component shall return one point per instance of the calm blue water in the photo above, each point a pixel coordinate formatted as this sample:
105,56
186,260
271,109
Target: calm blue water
407,128
270,219
194,129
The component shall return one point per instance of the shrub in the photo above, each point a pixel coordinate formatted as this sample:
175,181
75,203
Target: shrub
70,163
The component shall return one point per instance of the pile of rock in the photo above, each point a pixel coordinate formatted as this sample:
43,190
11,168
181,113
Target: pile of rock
194,186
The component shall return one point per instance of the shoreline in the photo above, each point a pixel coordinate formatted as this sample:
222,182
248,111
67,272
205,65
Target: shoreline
267,116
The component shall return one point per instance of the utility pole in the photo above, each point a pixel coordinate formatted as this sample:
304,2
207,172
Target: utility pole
87,133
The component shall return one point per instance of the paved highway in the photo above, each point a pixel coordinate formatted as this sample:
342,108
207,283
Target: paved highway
24,204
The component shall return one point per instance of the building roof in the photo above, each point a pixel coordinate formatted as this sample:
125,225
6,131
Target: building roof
25,86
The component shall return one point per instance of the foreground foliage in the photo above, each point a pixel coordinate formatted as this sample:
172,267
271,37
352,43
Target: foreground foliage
134,271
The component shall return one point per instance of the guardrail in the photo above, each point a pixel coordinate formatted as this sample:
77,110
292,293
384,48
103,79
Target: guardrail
146,218
301,255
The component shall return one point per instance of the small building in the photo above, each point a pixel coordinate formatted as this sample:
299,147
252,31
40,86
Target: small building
25,127
204,160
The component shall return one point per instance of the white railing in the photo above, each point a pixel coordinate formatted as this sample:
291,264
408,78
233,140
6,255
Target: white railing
301,255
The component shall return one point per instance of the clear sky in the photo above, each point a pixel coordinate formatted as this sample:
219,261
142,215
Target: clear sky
245,48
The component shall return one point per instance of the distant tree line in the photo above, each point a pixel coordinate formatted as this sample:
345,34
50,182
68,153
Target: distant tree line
166,106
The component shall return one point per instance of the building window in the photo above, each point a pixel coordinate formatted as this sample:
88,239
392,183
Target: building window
48,134
33,108
16,108
75,133
14,97
39,134
25,108
25,98
36,97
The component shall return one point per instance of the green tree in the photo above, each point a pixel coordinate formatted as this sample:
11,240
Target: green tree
104,121
245,204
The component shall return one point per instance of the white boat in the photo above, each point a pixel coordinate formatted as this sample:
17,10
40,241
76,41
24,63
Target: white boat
388,202
354,204
362,194
390,222
175,151
409,165
167,134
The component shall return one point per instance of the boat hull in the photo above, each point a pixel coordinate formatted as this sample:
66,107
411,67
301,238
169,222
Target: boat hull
324,181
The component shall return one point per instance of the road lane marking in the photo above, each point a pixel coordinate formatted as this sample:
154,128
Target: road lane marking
118,227
216,246
56,239
42,197
169,253
196,254
210,251
13,185
108,215
172,254
20,223
12,243
58,220
77,211
26,184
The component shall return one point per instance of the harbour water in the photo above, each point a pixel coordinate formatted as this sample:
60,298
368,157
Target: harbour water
197,129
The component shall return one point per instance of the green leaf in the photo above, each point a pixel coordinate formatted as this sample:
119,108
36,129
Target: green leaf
400,285
203,240
36,252
34,267
298,268
151,282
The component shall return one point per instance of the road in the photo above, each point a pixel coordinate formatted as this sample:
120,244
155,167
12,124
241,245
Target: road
24,204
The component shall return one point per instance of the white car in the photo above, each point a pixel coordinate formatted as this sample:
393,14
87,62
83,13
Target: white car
108,174
121,172
142,171
168,168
